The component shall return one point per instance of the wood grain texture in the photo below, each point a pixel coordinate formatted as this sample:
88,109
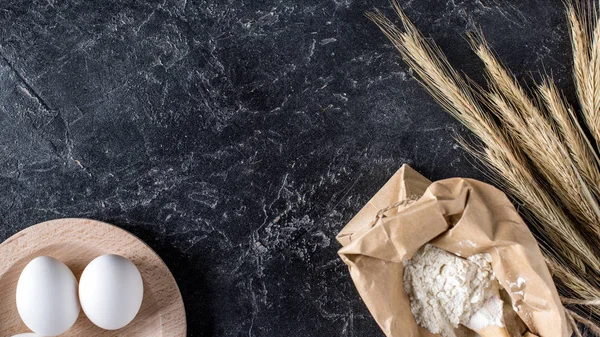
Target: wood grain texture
76,242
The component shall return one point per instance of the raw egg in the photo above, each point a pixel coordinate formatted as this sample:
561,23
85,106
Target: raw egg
111,291
47,296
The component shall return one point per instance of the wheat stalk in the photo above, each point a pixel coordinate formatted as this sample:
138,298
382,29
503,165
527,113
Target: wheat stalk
453,93
585,41
593,85
538,139
581,57
579,146
569,168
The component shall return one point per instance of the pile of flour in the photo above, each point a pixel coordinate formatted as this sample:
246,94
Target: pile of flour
446,290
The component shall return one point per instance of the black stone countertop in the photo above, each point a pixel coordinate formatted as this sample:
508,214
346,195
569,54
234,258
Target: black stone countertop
238,137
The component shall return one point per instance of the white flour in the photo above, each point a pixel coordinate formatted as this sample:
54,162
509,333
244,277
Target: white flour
446,290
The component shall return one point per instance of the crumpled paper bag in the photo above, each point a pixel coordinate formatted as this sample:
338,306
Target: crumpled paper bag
462,216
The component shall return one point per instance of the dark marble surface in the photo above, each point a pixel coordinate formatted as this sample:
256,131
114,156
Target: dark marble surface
237,138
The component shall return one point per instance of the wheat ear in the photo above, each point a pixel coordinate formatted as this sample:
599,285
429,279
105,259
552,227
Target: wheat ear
581,56
538,138
585,41
573,136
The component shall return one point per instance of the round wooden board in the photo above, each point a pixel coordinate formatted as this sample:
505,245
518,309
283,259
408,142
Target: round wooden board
76,242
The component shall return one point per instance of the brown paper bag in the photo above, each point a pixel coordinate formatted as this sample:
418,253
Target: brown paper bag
462,216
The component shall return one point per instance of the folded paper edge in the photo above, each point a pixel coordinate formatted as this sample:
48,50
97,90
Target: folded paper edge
397,184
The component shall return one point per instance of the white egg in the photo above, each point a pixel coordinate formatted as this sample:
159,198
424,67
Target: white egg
111,291
47,296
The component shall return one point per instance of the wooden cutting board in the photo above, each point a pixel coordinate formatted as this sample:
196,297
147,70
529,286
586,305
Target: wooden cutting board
76,242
